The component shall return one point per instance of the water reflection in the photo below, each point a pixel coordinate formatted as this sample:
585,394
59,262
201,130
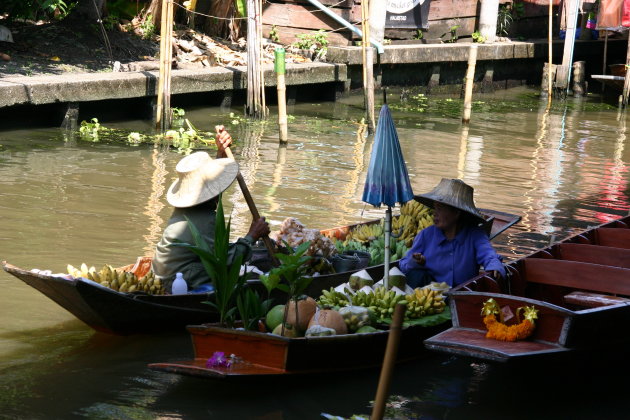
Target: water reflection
64,201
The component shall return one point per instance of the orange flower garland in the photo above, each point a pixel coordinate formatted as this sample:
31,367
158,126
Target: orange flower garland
500,331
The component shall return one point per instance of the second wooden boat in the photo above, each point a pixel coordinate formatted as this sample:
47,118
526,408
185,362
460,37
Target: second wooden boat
581,288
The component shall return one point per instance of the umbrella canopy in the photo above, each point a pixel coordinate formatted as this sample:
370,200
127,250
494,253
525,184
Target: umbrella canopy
387,180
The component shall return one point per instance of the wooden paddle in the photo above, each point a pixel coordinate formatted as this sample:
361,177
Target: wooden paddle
252,206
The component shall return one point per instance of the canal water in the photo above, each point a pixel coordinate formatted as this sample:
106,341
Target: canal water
64,200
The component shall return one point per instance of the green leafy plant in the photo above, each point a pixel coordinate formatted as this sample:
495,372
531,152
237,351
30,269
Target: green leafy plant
91,130
317,42
419,34
147,27
292,276
273,34
452,32
504,20
477,37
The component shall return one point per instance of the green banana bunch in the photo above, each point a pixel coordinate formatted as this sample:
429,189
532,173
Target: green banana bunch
332,298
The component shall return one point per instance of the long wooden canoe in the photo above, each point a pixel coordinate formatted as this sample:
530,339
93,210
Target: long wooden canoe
109,311
581,287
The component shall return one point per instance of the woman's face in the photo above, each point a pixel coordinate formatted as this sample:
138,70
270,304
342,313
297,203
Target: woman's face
445,216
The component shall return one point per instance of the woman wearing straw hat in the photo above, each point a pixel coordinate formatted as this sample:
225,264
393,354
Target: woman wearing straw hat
195,196
454,248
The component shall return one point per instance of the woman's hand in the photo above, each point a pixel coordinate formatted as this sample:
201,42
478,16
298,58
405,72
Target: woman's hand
419,258
259,228
223,140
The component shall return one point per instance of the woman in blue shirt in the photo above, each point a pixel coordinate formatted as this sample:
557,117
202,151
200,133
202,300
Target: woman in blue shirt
454,248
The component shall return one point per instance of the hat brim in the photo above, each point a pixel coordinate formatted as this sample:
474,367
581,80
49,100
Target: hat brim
430,199
216,177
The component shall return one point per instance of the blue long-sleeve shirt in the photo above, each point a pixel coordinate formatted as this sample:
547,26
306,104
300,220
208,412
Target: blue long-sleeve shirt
451,261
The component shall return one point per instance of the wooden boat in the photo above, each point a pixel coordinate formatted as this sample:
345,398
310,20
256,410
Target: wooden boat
264,355
109,311
580,286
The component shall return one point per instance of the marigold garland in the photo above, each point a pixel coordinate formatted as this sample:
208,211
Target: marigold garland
499,331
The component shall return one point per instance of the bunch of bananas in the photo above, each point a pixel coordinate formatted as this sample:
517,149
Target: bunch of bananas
414,217
423,302
120,281
381,302
332,298
366,233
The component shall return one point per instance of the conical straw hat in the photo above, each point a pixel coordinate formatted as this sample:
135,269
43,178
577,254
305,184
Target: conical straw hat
201,178
453,192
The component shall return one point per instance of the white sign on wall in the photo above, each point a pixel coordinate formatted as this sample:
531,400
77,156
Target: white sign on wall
411,14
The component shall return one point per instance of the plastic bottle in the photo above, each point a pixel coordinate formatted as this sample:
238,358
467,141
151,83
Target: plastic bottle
179,285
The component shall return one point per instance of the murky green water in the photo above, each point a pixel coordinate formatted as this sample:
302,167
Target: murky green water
63,201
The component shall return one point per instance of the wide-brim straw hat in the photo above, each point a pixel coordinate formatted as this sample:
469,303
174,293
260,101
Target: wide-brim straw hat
201,178
453,192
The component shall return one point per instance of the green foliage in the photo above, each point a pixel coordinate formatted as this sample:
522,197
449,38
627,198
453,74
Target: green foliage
273,33
292,275
419,34
147,27
452,33
317,42
241,7
91,130
477,37
34,9
504,20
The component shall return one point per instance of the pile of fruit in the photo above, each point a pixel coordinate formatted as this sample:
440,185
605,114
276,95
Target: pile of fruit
294,233
119,280
381,302
413,217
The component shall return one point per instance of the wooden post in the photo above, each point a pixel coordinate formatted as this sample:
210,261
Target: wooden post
564,72
255,106
488,20
579,78
605,57
391,351
470,80
626,82
282,94
163,109
368,68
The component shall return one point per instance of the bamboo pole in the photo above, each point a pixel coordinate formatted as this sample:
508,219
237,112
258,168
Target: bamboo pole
563,74
470,81
391,351
159,117
605,57
168,58
369,72
282,94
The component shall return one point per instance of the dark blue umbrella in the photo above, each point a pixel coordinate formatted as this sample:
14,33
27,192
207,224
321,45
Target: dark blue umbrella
387,180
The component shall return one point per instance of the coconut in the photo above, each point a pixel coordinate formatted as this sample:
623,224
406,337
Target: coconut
360,279
330,319
305,310
397,278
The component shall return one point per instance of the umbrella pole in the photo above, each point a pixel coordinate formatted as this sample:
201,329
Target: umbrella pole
388,229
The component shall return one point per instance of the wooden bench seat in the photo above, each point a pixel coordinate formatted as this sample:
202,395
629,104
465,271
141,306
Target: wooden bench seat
593,300
614,237
594,254
578,275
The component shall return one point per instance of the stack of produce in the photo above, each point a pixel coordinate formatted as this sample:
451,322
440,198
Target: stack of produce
295,233
120,281
381,302
414,216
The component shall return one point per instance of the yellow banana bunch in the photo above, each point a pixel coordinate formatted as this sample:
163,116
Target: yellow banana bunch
423,302
366,233
120,281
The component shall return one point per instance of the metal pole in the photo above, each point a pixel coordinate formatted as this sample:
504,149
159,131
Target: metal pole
470,80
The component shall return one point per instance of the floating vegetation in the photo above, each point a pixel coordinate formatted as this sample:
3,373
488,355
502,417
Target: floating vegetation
184,137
